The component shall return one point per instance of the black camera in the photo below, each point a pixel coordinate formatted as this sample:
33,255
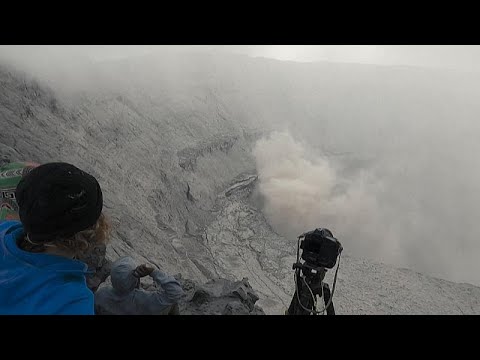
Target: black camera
320,252
320,248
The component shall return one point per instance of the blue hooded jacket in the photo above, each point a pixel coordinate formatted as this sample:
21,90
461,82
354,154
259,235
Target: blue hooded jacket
40,284
123,298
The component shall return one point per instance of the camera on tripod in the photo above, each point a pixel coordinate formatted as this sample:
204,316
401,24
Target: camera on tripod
320,251
320,248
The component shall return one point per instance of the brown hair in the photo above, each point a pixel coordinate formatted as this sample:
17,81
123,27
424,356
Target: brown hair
79,243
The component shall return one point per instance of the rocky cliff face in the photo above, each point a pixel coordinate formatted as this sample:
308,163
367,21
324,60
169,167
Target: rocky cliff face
219,297
161,202
179,184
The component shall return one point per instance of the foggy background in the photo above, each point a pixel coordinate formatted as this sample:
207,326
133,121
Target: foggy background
458,57
377,143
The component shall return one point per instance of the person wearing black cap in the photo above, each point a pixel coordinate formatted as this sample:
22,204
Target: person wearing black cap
60,210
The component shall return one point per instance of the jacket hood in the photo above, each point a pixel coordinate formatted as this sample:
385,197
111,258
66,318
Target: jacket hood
11,231
121,275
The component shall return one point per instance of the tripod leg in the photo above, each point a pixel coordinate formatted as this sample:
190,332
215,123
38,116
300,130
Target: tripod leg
326,299
291,308
296,307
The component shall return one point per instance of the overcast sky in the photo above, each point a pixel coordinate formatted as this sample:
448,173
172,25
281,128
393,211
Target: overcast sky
453,56
460,57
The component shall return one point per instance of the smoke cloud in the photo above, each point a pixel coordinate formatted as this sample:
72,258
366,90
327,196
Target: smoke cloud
303,191
372,213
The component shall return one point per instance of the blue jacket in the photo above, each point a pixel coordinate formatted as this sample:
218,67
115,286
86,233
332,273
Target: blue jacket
123,298
39,284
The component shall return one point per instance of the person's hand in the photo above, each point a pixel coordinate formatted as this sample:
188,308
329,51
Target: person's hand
143,270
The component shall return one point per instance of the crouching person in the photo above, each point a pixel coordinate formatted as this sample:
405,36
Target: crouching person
125,297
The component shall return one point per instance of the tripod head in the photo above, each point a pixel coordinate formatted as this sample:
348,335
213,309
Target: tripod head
309,271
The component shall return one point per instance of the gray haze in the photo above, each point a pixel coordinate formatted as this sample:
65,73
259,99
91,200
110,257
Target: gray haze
458,57
385,156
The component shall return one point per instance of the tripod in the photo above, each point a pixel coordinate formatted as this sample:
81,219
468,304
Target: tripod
309,285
